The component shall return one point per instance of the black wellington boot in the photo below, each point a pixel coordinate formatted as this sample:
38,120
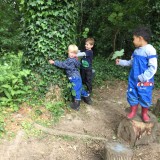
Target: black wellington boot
75,105
87,100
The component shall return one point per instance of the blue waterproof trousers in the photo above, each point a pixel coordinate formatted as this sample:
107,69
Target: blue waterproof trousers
77,88
139,92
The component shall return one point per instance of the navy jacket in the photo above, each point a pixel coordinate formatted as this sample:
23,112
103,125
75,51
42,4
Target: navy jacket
71,66
86,61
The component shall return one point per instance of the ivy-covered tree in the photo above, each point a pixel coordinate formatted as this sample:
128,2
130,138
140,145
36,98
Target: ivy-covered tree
50,28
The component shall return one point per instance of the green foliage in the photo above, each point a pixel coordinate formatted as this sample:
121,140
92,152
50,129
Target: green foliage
50,28
108,70
4,116
154,11
12,86
30,129
111,22
10,29
118,54
117,16
56,109
2,124
85,33
157,79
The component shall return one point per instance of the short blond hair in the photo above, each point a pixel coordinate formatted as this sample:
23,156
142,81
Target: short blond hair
90,41
73,48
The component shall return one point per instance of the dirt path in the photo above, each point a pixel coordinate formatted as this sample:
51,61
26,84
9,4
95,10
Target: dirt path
99,121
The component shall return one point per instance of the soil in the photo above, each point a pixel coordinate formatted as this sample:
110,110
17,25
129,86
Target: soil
100,120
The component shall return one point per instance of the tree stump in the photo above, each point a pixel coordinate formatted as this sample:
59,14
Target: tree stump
117,151
156,108
136,132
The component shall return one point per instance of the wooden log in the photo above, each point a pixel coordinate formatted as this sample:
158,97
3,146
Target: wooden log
117,151
156,108
136,132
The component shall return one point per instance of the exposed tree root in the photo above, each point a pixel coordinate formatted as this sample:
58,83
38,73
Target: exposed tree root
65,133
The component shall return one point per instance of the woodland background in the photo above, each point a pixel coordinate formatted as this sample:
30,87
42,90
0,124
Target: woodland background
34,31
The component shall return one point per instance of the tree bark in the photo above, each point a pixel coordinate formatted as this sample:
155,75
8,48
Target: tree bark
114,40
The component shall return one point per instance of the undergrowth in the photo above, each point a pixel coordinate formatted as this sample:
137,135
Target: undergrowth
106,69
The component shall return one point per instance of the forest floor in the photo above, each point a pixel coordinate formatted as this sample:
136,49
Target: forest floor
78,135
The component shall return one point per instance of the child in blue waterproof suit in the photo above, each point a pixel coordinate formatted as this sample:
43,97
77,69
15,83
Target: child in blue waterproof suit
141,77
71,65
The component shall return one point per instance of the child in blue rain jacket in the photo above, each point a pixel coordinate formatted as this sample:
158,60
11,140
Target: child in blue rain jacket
71,65
141,77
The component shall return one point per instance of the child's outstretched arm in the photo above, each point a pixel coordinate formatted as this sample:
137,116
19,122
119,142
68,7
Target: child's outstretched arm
123,62
81,54
61,64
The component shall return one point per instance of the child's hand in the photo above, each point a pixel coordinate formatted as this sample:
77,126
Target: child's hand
51,61
76,58
117,61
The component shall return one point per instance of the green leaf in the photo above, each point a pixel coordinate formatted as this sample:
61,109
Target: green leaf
33,4
6,86
118,54
73,93
86,29
4,99
7,94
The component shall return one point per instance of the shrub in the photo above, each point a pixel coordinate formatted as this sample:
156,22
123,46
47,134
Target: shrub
107,70
12,86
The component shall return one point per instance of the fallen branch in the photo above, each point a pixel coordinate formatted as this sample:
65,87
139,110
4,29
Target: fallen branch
66,133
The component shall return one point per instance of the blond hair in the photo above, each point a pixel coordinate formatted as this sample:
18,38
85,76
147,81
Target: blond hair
90,41
73,48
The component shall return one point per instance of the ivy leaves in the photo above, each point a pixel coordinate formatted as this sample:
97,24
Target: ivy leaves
35,3
50,28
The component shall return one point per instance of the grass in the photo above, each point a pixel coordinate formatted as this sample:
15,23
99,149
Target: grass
67,138
30,130
32,111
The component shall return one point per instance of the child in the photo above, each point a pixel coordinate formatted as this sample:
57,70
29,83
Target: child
141,78
86,64
71,65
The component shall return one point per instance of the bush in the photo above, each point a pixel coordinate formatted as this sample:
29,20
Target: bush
12,86
111,22
107,70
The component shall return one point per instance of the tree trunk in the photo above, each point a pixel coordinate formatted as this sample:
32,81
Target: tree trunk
136,132
114,40
117,151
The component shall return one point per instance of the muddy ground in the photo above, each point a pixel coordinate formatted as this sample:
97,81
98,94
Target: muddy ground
99,120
